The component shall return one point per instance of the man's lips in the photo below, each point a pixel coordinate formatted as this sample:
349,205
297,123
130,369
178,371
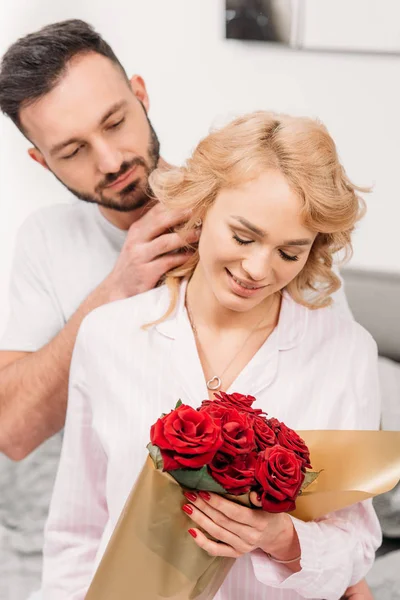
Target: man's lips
122,179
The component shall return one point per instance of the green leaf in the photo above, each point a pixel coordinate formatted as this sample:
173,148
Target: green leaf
197,479
155,454
310,476
178,404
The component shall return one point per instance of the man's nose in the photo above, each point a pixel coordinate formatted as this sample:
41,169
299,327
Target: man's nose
108,158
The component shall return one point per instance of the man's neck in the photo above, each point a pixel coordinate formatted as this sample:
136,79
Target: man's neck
123,220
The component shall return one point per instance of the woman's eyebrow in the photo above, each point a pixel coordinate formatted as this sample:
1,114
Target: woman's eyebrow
250,226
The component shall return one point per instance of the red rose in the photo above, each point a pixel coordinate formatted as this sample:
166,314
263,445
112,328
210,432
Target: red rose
235,474
236,429
265,436
186,437
239,401
279,473
290,439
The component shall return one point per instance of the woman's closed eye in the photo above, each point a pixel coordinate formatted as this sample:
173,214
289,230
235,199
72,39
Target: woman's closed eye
285,256
240,241
282,254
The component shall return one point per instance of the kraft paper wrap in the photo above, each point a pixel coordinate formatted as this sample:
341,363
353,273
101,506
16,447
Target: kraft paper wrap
151,556
357,465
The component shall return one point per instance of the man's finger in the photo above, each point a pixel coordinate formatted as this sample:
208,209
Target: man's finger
166,263
169,242
155,222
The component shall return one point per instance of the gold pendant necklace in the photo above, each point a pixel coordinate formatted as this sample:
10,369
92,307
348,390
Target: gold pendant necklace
215,382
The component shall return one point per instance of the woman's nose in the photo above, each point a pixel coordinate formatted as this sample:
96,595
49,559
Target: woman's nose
258,266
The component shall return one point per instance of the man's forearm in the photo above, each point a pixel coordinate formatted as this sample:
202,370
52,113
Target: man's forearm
34,389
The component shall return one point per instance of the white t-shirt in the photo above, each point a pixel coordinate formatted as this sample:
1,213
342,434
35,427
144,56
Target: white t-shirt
62,253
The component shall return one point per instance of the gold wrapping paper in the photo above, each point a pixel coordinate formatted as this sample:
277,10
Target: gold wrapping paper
151,556
356,465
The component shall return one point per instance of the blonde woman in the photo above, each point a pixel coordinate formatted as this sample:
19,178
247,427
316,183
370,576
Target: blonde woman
250,313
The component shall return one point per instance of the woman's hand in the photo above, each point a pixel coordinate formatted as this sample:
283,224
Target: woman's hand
238,530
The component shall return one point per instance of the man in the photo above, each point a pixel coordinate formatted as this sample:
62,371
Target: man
66,91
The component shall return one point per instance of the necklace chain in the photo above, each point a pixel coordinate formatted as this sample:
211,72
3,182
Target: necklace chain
215,382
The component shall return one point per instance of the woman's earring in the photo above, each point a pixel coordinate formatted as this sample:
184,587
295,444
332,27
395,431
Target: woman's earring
198,223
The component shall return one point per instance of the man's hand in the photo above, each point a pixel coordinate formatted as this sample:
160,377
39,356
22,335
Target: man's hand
360,591
151,249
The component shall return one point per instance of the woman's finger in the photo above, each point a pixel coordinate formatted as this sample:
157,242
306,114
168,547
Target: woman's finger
214,529
245,532
213,548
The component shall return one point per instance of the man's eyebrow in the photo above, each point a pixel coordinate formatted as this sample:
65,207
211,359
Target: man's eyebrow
112,110
261,233
75,140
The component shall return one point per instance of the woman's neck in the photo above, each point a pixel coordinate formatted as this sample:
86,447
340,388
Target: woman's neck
205,308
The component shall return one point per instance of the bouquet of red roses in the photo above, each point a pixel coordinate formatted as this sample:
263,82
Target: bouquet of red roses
228,447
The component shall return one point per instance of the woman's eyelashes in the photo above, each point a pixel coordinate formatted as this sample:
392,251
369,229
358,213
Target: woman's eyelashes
283,255
240,241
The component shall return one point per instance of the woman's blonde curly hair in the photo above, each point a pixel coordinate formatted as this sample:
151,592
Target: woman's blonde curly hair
300,148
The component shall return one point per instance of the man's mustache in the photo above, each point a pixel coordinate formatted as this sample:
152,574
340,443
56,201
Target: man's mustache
125,167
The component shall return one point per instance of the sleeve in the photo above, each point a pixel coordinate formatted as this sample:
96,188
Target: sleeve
78,511
35,316
339,549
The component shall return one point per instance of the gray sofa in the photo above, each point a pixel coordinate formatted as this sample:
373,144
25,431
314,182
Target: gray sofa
374,299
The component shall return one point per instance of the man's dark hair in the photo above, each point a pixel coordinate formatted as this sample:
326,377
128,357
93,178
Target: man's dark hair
34,64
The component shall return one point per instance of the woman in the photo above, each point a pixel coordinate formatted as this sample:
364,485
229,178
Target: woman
250,313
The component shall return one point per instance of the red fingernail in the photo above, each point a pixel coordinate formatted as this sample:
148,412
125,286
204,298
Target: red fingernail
259,497
205,495
192,532
187,509
190,496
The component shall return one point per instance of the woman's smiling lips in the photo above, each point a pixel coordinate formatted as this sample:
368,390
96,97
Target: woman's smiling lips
241,287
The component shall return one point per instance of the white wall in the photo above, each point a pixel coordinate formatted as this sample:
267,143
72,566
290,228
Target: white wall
195,78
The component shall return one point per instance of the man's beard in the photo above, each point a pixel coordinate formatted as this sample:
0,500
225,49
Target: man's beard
137,193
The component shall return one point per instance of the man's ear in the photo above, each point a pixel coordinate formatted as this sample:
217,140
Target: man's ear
36,155
139,89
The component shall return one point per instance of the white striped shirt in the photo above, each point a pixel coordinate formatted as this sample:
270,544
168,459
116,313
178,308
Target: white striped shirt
317,370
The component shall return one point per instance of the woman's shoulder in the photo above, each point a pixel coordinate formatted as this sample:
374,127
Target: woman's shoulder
333,326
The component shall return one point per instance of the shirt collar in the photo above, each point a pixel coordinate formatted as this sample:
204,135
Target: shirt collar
290,330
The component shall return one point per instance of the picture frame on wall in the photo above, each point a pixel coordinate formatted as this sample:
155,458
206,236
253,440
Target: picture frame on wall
371,26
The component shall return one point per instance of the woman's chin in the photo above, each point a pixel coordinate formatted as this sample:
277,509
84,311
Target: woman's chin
230,301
